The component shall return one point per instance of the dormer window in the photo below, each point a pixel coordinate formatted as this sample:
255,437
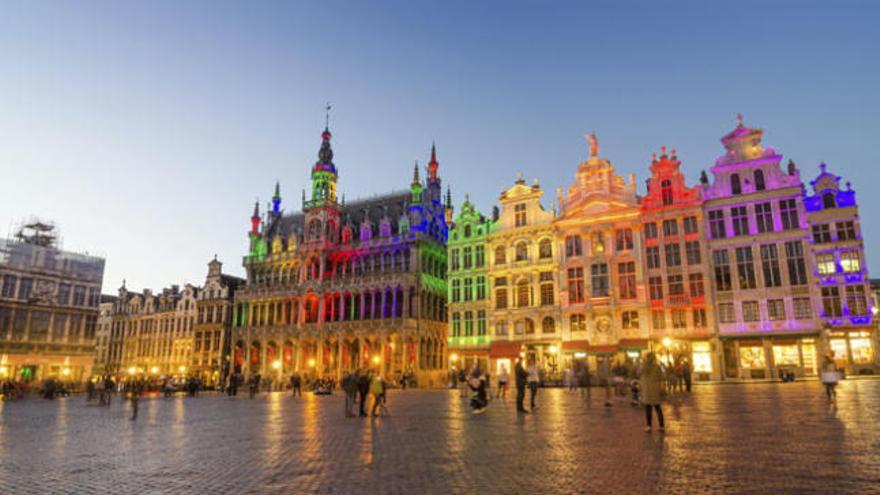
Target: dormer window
467,231
759,180
519,215
735,185
666,192
828,200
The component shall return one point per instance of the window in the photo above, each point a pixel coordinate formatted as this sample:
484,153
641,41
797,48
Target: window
453,259
670,227
468,289
764,217
652,254
673,254
598,242
501,298
828,200
750,311
578,323
679,318
26,285
545,249
520,215
775,309
548,325
599,279
695,285
825,263
716,224
467,231
676,285
624,239
745,268
735,184
770,266
666,192
699,318
501,328
522,293
79,295
690,225
456,290
759,180
456,324
575,285
573,246
855,300
480,256
846,231
802,309
9,282
524,326
692,252
821,233
626,273
630,320
500,255
63,297
721,260
740,220
850,262
797,269
468,260
650,230
655,288
522,251
831,302
658,319
481,288
468,323
546,288
481,322
726,313
789,214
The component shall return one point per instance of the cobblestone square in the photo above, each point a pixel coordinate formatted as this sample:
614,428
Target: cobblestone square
757,438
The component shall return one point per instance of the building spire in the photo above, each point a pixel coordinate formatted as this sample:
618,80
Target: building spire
433,165
276,199
416,179
448,197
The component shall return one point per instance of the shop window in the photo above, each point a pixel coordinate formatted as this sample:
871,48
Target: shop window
701,357
752,358
786,355
861,347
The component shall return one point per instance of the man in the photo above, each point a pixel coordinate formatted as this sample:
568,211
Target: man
534,379
363,392
521,375
350,387
296,385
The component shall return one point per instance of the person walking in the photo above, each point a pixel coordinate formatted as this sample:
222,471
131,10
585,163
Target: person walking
520,375
377,390
136,388
686,371
650,390
363,391
534,379
583,379
350,387
604,372
503,382
296,385
830,376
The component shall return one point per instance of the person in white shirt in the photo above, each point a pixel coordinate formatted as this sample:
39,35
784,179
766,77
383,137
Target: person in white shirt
503,381
534,371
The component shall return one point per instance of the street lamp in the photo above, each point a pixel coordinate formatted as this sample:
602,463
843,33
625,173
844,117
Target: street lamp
554,349
312,362
65,371
132,371
376,360
181,369
4,371
154,370
277,364
453,357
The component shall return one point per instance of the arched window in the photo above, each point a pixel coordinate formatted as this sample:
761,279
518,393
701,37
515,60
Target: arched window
529,325
545,249
735,186
522,293
828,200
759,180
548,325
500,256
522,251
666,192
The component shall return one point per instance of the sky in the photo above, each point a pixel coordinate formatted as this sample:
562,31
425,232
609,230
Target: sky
146,130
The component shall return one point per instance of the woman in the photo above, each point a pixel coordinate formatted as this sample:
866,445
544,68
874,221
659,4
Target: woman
377,390
649,390
503,381
830,376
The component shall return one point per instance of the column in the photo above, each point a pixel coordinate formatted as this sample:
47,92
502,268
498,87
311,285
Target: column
393,303
321,302
342,307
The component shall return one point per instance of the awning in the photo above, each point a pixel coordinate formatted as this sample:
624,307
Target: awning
576,345
603,349
504,349
634,343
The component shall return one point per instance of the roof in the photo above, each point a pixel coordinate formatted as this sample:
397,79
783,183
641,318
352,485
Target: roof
374,208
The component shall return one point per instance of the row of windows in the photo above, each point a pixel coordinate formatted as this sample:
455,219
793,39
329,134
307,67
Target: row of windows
24,288
763,219
468,319
675,284
770,268
523,296
672,254
521,252
467,258
758,181
850,262
670,227
599,281
678,318
203,340
854,295
212,314
775,308
45,325
464,289
623,241
525,326
846,231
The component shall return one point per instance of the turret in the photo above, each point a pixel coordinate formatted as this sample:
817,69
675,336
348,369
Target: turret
255,220
416,186
276,199
448,208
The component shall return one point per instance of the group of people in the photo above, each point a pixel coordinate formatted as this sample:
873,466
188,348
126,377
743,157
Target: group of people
361,385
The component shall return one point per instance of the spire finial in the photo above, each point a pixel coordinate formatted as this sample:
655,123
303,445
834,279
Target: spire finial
519,177
448,197
594,144
277,189
739,119
416,179
327,116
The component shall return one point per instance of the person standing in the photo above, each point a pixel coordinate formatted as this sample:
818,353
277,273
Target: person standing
377,389
604,372
363,391
650,390
534,379
520,375
136,387
583,378
830,376
296,385
350,387
503,382
686,370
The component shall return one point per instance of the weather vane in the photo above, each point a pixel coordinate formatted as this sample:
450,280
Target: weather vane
327,116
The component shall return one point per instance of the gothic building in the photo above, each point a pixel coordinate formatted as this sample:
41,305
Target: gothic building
346,285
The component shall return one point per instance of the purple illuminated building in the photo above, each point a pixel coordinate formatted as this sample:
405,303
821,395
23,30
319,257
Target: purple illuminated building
845,307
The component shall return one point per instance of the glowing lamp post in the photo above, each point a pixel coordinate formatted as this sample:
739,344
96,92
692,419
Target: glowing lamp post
181,369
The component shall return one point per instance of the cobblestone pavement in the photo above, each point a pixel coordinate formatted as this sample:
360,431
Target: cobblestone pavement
760,438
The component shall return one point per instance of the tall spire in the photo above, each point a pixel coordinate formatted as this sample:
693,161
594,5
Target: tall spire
276,199
255,219
448,197
433,165
416,179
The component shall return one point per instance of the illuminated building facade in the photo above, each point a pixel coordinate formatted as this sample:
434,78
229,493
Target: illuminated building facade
102,335
524,315
845,304
48,307
469,307
341,286
760,258
213,327
676,265
602,296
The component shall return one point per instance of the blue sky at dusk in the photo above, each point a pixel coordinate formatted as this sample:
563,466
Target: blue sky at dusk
146,130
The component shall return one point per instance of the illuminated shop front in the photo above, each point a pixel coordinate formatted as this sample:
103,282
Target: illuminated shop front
765,358
853,350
